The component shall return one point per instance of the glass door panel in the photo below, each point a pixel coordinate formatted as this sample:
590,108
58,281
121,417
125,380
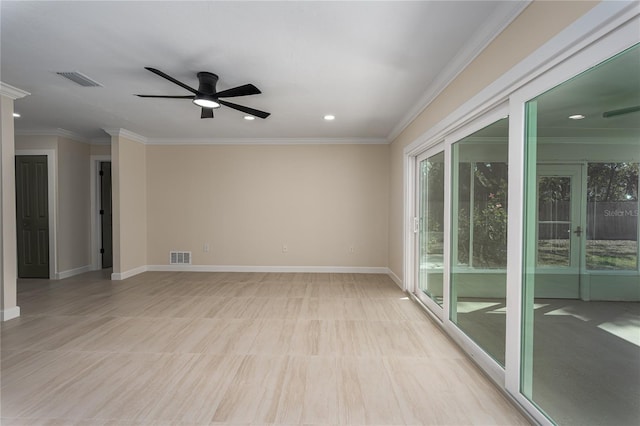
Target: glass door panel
430,228
478,279
580,348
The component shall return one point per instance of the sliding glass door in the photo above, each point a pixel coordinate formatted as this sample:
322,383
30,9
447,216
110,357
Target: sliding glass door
479,237
550,310
580,360
429,225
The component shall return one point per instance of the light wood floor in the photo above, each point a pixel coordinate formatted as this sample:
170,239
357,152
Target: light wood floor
235,349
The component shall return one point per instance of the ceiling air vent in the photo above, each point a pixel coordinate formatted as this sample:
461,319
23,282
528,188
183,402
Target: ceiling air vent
79,78
180,258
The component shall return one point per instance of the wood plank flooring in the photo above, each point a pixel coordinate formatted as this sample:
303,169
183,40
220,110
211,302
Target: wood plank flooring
235,349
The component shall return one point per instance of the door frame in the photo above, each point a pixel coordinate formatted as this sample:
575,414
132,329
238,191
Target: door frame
52,186
96,234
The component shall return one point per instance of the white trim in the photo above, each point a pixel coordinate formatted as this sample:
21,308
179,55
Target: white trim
446,229
52,195
268,141
409,236
54,132
242,268
95,237
124,133
9,314
395,278
117,276
502,17
515,245
73,272
12,92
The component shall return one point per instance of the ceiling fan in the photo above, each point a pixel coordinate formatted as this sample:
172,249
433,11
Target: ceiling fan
207,97
621,111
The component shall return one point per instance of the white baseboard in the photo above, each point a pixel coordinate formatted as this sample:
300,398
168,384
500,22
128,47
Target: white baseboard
117,276
239,268
302,269
72,272
395,278
11,313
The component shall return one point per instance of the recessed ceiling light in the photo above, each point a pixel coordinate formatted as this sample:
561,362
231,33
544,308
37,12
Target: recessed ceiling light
576,117
16,115
329,117
249,117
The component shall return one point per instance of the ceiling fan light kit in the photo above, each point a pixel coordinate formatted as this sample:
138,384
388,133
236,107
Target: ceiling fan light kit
207,97
206,102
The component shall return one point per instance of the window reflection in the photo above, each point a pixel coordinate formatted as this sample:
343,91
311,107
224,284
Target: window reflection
612,216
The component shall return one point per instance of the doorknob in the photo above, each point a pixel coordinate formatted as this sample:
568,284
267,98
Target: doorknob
578,231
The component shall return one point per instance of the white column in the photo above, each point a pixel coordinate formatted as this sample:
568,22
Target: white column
8,246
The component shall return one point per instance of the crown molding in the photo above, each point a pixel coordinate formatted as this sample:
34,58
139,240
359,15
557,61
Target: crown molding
62,133
268,141
73,136
497,22
12,92
124,133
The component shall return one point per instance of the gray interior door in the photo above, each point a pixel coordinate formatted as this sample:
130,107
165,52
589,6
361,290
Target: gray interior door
32,215
106,215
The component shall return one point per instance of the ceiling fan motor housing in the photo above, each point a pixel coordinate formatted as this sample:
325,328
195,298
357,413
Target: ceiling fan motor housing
208,82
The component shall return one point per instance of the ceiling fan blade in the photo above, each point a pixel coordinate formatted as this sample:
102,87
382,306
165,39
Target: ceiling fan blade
255,112
206,113
247,89
171,79
167,97
621,111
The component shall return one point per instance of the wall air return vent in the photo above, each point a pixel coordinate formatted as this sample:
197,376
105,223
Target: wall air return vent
179,258
79,78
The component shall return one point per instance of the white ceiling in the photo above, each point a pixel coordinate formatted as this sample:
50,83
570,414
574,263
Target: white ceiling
373,64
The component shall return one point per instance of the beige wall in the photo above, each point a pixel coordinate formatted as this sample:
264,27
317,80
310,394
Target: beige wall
246,202
128,162
102,149
37,142
73,205
8,259
537,24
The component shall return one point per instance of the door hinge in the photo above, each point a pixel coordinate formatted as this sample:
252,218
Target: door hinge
101,173
416,225
101,211
102,251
